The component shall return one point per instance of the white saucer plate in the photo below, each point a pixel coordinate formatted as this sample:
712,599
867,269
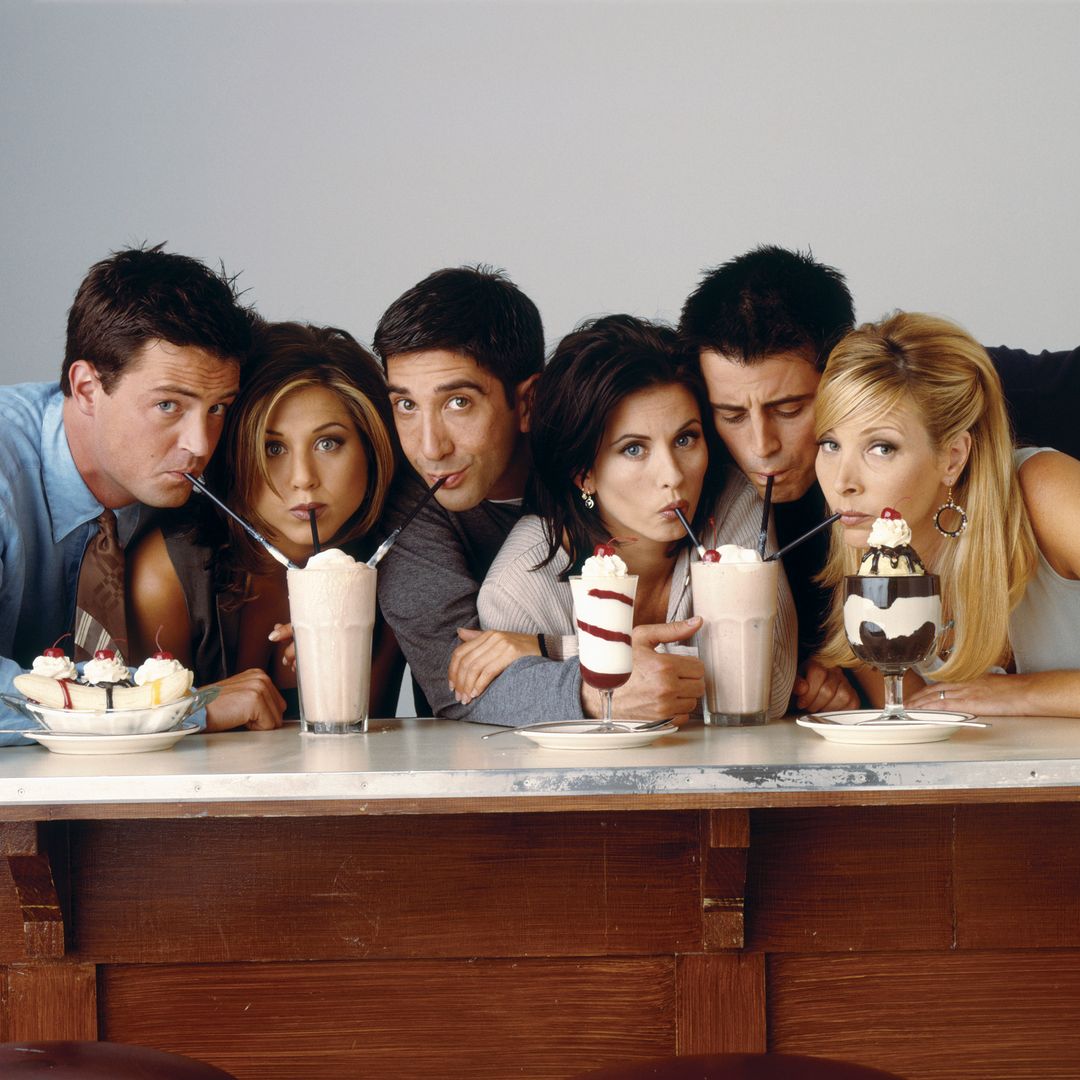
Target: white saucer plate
841,727
67,743
582,735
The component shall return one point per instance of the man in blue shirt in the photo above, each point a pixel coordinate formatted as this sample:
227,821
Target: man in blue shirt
154,347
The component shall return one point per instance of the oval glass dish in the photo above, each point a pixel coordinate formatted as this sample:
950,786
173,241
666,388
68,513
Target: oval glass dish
113,721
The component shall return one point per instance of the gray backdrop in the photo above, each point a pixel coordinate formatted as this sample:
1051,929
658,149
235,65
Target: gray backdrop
603,153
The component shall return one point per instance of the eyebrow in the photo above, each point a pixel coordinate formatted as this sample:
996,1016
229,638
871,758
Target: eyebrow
184,392
768,404
648,438
321,427
445,388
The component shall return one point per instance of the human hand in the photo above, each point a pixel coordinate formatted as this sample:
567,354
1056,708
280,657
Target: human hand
282,633
482,657
248,700
661,684
821,689
989,695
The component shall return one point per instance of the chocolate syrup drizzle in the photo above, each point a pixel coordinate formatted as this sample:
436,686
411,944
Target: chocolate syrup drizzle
894,555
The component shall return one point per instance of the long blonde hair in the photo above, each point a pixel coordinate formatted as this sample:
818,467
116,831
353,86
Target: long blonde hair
944,376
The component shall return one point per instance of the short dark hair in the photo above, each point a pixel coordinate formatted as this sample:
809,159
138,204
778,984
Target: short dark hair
767,301
591,371
477,311
141,295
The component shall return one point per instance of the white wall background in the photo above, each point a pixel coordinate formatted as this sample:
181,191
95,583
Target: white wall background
602,152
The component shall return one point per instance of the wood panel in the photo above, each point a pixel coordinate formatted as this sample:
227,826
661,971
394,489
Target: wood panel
927,1016
31,920
12,937
866,879
398,1020
552,885
1018,877
720,1004
48,1001
726,837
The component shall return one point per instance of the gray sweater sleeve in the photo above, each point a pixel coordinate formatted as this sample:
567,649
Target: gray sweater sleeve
427,589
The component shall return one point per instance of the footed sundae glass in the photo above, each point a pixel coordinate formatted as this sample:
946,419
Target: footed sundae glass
892,623
604,618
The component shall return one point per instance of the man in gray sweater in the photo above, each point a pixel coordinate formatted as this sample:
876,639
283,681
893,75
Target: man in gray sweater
462,349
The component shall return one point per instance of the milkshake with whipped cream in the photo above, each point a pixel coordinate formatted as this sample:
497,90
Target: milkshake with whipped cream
332,607
604,617
734,592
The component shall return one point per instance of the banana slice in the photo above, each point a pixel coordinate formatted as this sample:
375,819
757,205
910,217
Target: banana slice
50,693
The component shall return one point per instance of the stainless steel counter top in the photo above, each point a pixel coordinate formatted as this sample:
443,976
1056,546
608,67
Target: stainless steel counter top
418,766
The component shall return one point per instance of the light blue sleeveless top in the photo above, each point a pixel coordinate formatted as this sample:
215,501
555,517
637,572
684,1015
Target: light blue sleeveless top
1044,628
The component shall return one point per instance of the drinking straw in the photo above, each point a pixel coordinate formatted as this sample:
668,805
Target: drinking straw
258,537
690,533
314,532
805,536
388,543
763,532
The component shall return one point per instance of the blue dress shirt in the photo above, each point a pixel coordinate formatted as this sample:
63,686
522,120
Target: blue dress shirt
47,515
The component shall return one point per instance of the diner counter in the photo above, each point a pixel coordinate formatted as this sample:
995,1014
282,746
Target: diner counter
393,905
424,765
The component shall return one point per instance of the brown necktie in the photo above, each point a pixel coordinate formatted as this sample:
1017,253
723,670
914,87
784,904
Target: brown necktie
99,605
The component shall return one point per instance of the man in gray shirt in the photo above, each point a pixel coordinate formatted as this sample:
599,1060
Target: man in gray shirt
462,349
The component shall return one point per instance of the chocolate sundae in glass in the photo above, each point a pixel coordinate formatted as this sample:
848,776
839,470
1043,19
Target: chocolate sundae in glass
892,609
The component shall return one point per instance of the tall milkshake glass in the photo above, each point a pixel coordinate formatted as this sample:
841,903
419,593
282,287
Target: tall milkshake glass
737,603
604,616
332,607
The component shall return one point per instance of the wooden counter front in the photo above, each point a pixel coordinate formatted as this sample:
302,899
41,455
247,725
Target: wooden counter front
272,932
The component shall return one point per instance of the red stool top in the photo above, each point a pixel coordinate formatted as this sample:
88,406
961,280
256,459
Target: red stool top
99,1061
740,1067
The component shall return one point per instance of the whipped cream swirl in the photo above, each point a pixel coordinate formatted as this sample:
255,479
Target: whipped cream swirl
55,667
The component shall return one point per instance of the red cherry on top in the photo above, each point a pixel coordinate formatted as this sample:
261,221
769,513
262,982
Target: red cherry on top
603,549
104,654
163,654
53,649
712,555
889,514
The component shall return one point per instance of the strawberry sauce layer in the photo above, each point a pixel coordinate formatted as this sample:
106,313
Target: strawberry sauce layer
607,594
604,633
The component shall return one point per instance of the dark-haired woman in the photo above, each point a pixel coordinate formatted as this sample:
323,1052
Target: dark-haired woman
621,438
310,431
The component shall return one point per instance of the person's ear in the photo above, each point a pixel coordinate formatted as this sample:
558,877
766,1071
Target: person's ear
956,458
523,398
85,386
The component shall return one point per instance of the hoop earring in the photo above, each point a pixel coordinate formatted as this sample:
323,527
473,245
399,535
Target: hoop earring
587,499
956,509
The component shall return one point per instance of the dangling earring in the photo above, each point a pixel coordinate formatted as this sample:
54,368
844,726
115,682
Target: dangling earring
956,509
587,499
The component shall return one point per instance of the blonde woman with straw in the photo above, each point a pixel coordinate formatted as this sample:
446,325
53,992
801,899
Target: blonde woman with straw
910,414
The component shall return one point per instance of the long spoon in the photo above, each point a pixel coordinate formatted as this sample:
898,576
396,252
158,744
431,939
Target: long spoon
255,535
388,543
899,721
591,731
